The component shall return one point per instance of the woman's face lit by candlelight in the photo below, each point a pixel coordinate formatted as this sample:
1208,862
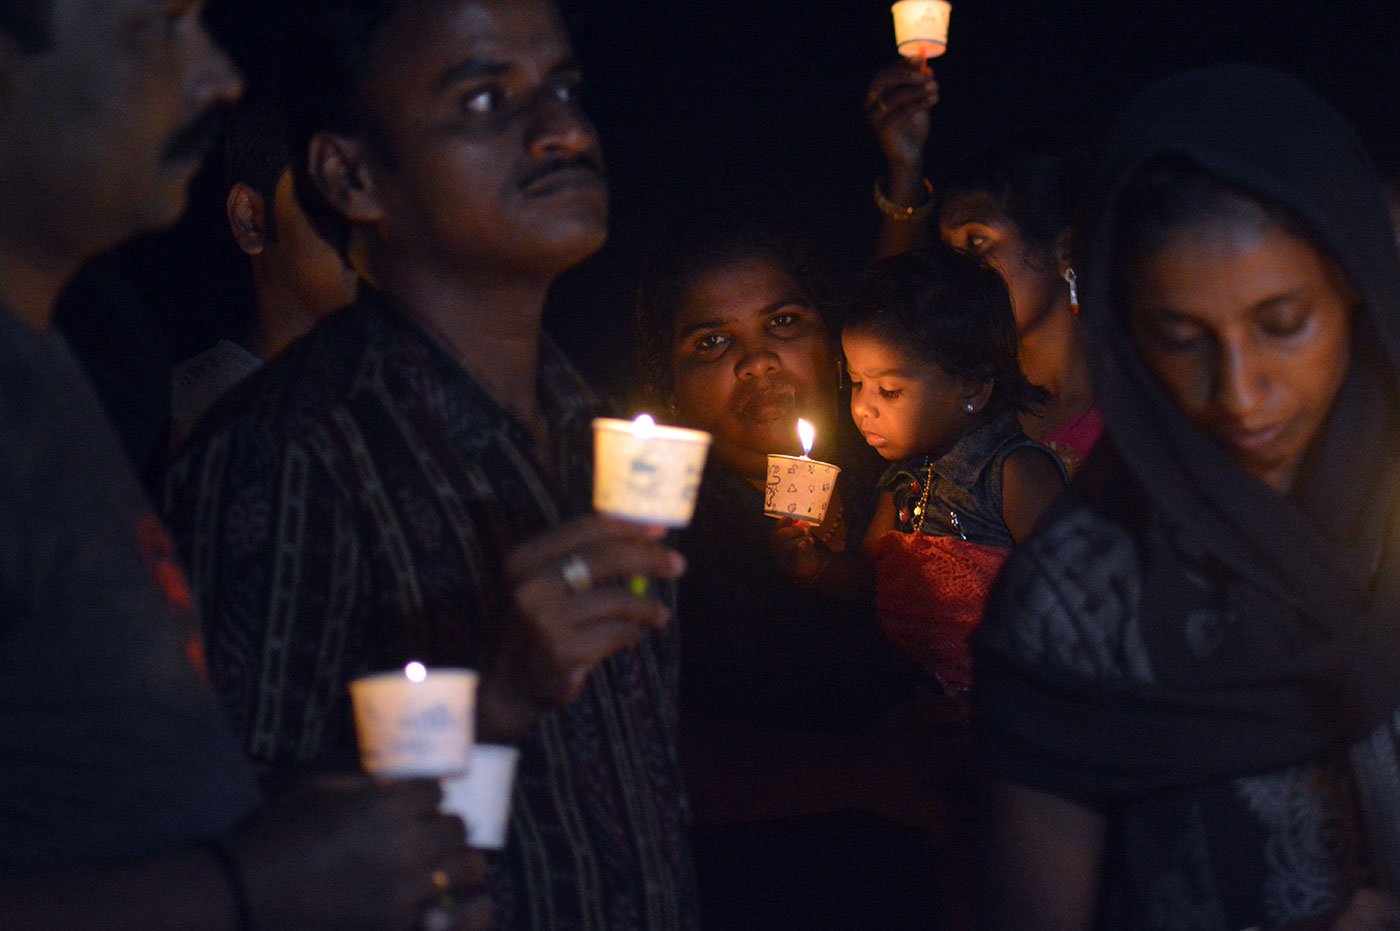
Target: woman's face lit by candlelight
749,355
1248,327
1034,276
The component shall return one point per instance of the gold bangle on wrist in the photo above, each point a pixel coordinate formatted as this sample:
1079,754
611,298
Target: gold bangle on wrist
904,214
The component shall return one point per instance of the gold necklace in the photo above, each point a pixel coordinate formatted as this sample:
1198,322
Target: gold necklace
921,509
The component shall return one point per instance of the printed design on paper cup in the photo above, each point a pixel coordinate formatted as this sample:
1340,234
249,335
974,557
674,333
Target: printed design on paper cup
413,734
798,487
415,727
649,474
643,475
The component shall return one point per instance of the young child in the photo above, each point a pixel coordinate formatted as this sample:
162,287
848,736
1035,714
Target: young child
930,345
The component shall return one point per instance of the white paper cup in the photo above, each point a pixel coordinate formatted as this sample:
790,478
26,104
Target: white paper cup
798,487
481,796
409,729
921,27
647,474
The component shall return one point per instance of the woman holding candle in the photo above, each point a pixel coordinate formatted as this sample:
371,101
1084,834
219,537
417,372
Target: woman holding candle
1187,682
1011,203
811,787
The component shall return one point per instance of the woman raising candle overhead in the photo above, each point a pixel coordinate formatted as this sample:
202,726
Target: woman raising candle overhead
1010,203
1187,681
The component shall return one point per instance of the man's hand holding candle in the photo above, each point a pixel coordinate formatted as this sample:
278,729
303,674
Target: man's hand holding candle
571,608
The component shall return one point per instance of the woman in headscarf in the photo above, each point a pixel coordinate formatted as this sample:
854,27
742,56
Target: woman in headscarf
1187,683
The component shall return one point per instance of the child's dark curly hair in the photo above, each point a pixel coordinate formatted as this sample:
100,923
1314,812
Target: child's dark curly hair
949,309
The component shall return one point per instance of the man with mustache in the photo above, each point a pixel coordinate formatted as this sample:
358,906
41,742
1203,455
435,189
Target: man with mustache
412,480
124,802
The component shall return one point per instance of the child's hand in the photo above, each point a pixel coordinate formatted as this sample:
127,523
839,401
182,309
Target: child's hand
797,551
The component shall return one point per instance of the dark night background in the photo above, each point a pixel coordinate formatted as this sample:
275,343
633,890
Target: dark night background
762,99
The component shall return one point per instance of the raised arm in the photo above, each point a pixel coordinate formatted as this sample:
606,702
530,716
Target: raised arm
897,106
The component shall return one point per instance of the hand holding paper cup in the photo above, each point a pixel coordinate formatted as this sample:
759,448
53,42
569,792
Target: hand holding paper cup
415,722
647,473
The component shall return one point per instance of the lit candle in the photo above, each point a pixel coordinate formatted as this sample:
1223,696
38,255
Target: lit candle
647,472
415,721
921,28
799,487
807,434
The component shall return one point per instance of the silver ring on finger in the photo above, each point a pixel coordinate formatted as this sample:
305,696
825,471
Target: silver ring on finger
576,574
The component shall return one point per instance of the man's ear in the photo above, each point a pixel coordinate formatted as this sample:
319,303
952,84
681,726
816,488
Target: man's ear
339,167
247,218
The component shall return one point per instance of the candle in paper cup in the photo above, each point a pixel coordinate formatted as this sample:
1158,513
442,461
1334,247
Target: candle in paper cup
921,27
481,796
415,722
799,486
646,472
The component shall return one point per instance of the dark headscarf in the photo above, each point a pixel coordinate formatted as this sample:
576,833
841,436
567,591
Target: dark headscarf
1329,576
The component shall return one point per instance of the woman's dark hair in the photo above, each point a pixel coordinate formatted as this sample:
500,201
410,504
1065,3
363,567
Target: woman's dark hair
694,246
325,62
1172,193
1033,180
950,309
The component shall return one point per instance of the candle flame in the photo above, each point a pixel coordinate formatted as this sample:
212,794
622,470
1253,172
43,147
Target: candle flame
643,425
415,671
807,434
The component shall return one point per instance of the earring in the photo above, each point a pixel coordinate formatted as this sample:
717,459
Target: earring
969,407
1072,279
840,373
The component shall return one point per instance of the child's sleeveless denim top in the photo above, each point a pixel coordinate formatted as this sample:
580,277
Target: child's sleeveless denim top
965,498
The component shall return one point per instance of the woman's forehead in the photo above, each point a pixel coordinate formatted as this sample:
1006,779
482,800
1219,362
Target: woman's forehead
965,207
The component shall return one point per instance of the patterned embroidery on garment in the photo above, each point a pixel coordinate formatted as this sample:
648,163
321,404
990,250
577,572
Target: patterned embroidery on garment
1077,596
363,497
1308,849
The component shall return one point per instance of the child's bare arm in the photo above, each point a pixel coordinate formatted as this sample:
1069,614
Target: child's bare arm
1030,483
882,523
